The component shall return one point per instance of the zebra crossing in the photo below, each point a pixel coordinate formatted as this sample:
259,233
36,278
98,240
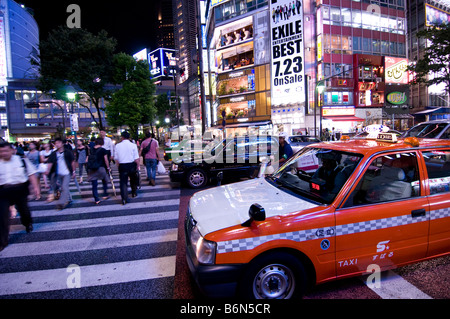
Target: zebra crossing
96,251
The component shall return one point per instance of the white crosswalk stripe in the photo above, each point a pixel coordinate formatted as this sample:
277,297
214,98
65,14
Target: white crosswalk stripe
109,244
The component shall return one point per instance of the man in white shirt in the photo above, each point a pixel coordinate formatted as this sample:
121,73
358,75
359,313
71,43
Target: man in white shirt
107,144
15,174
127,158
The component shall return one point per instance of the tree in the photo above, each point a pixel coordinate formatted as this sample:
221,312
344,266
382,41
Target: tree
79,58
133,104
164,109
434,68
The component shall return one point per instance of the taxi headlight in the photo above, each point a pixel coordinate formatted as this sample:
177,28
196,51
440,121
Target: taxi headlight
205,250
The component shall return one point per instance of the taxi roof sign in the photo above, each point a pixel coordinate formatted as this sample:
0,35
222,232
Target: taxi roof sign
387,137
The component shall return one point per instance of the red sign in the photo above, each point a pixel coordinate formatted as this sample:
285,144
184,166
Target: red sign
366,86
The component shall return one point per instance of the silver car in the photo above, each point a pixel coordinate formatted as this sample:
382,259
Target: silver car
439,129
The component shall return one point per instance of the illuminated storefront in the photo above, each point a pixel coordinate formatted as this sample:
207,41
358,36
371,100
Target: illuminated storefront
353,38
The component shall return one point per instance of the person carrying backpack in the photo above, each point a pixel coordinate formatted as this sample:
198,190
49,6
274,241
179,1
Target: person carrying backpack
98,169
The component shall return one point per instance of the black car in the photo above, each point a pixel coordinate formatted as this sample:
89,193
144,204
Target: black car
235,157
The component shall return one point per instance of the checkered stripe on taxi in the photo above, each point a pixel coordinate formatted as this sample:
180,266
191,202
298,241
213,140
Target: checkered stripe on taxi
440,213
311,234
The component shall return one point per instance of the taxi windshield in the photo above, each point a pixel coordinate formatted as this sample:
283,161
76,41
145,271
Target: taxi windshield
316,173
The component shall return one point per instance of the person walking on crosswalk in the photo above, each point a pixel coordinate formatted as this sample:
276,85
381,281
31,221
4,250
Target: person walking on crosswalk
62,168
16,173
127,159
150,154
98,168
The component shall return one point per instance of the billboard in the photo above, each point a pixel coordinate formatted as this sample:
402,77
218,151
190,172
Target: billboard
396,70
141,55
162,62
435,16
287,80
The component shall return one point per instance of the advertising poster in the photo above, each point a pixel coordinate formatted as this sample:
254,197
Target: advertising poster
435,16
396,70
286,22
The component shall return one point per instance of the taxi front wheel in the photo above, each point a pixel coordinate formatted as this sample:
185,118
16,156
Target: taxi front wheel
278,275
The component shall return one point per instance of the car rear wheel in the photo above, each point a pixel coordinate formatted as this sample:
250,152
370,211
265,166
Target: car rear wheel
277,275
197,178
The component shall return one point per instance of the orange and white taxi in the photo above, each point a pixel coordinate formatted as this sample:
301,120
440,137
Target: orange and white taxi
367,202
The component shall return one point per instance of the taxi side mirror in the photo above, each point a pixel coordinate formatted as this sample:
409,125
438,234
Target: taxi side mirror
257,213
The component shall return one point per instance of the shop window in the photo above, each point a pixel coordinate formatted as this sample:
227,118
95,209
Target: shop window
401,48
384,47
370,21
367,45
327,69
335,43
356,19
384,24
357,45
3,120
326,43
337,98
401,24
346,44
376,45
393,48
393,24
236,57
335,14
326,12
18,95
346,17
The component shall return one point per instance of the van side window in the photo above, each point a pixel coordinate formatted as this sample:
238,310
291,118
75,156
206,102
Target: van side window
438,168
388,178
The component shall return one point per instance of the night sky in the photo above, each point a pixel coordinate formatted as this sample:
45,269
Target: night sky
130,22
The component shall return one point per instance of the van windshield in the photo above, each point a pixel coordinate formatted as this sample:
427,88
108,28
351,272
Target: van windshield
316,173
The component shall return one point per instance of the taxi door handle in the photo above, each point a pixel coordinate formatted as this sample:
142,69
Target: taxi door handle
418,213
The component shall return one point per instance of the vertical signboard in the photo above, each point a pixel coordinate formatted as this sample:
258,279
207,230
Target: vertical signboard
288,86
3,65
396,70
162,62
261,31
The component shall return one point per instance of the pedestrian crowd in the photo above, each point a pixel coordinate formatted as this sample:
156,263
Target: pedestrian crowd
55,162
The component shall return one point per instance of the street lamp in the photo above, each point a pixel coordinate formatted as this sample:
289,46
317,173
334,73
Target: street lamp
71,97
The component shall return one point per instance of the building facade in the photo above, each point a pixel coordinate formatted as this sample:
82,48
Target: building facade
19,39
346,62
237,38
420,15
